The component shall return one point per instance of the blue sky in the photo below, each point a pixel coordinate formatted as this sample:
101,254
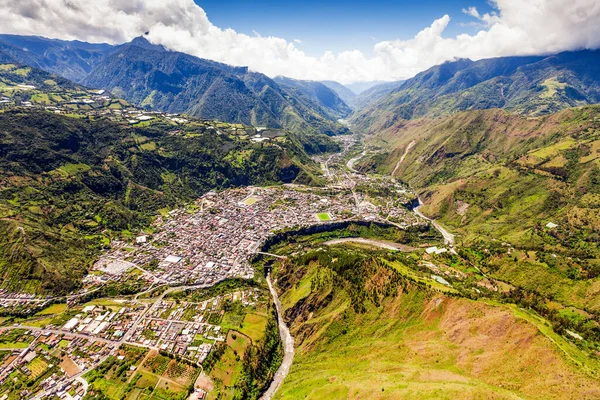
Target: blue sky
339,25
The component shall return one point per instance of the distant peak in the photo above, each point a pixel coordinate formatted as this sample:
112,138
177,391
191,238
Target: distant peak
142,42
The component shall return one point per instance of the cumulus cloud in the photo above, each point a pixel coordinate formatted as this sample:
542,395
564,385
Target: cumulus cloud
516,27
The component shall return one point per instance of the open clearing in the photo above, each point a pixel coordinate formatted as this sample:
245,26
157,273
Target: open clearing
69,367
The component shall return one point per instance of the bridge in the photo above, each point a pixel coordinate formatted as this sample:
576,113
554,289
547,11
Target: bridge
272,255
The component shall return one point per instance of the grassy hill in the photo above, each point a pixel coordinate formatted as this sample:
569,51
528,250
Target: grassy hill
364,330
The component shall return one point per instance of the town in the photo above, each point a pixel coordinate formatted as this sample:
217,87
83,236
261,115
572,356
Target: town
56,360
217,241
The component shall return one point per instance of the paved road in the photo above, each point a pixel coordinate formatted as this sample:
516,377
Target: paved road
448,237
378,243
288,346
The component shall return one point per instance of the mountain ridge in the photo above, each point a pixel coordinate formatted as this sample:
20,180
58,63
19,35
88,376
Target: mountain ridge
528,85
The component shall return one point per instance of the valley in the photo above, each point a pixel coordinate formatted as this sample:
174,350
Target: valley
173,227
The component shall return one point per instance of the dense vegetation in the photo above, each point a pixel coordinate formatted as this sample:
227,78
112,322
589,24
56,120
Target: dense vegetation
69,184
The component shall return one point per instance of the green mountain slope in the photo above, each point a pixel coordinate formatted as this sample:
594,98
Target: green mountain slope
497,180
535,85
342,91
151,77
318,93
363,330
70,59
69,183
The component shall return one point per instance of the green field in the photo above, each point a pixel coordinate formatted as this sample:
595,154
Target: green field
254,326
324,217
250,200
53,309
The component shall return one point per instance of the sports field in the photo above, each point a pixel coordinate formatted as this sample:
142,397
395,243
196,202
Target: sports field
324,217
250,200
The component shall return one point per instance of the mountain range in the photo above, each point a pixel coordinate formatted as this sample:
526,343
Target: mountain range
534,85
152,77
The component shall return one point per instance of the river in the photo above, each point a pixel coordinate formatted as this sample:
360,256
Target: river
288,346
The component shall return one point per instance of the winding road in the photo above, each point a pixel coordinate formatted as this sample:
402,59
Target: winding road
352,161
448,237
288,346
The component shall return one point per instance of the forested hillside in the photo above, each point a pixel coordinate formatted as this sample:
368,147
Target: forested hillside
154,78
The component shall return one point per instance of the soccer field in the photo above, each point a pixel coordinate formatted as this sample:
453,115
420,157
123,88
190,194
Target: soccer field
324,217
250,200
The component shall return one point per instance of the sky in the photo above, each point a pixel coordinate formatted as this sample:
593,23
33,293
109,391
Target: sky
320,26
347,41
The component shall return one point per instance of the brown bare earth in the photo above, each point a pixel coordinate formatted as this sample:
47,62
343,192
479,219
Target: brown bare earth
69,367
204,382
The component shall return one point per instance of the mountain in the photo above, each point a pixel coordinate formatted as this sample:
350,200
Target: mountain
500,180
79,168
70,59
356,315
342,91
318,93
359,87
535,85
374,93
152,77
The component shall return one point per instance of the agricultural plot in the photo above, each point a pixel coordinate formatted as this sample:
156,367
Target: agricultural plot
180,372
53,309
254,326
156,363
37,367
69,367
238,342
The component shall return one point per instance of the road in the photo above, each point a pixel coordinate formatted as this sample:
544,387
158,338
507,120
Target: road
372,242
410,146
448,237
352,161
288,346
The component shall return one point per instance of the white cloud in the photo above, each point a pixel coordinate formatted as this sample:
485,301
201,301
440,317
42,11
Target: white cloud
516,27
